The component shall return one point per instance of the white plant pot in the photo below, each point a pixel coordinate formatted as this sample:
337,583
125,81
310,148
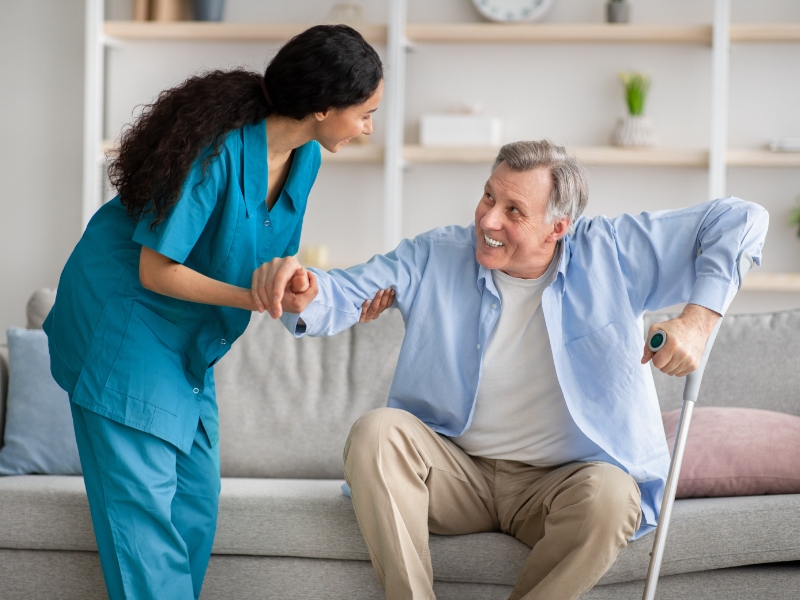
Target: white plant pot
634,130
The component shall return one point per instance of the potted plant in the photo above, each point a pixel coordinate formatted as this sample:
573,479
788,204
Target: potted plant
618,11
635,129
794,217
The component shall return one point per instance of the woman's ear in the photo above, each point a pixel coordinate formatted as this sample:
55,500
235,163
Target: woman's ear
321,116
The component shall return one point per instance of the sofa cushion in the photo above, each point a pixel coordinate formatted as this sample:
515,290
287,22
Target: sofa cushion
287,405
747,366
737,452
311,519
38,435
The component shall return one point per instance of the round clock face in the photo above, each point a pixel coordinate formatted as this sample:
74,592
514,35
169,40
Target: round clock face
513,10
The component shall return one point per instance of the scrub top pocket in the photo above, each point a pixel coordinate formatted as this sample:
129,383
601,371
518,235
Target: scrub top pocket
148,365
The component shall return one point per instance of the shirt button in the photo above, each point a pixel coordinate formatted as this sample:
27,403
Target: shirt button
266,223
222,341
196,390
494,305
479,346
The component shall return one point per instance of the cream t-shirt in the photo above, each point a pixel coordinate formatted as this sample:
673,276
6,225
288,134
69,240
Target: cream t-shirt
520,413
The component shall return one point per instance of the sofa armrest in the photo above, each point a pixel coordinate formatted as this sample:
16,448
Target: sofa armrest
3,389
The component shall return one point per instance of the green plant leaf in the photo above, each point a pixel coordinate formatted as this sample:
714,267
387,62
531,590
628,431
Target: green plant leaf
636,86
794,217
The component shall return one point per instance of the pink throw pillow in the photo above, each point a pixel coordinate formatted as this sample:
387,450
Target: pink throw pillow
737,452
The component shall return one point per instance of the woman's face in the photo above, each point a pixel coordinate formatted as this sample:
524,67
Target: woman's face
337,126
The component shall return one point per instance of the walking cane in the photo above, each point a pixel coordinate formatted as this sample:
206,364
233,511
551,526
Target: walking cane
690,391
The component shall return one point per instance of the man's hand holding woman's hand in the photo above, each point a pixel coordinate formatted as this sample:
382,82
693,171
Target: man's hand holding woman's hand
282,284
686,341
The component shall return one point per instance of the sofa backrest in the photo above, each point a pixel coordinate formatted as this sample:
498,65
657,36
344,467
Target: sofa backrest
286,405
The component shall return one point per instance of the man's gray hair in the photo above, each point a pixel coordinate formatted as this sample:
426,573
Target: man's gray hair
570,190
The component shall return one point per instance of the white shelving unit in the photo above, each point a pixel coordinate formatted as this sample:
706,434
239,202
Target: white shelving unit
399,36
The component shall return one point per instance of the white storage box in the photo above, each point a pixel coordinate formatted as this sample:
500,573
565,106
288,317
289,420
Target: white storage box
459,130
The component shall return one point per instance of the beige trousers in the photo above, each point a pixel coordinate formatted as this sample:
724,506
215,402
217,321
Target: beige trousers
406,480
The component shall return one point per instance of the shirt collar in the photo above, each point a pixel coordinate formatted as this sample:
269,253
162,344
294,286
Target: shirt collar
298,183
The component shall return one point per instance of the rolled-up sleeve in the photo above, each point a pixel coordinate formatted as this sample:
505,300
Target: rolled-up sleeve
690,254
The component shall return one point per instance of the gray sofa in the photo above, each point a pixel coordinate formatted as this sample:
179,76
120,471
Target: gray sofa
286,532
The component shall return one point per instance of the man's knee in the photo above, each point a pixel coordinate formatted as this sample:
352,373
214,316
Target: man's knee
614,499
373,429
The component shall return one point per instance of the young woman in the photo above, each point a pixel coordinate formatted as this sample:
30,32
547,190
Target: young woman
213,180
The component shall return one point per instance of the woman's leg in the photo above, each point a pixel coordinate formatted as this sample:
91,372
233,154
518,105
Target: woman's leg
131,480
194,508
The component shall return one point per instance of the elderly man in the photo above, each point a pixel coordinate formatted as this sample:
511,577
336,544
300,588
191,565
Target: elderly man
522,402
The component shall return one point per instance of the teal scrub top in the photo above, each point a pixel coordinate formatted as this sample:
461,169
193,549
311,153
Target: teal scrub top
144,359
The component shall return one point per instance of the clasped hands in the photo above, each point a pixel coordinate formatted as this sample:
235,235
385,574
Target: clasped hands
686,341
283,284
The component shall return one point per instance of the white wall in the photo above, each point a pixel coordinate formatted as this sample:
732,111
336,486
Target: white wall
41,116
567,92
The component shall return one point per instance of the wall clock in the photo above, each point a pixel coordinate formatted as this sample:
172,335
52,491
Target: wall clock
513,10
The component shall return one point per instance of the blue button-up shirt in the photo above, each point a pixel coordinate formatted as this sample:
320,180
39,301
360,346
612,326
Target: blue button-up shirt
609,272
144,359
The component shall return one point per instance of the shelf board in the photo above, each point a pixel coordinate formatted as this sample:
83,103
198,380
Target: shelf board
579,32
592,155
222,32
458,32
767,32
762,158
771,282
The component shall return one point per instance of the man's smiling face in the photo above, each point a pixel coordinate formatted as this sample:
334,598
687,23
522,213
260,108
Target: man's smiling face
511,223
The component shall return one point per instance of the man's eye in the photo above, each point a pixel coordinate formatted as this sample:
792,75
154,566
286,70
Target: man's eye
514,209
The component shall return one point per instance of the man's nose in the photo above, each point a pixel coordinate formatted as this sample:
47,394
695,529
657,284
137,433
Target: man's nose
491,220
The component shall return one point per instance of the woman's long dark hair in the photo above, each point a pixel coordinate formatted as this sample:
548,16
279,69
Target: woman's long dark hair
327,66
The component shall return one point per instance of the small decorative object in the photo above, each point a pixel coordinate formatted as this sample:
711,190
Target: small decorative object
345,12
141,10
513,10
794,217
208,10
464,126
314,256
784,145
169,10
635,129
618,11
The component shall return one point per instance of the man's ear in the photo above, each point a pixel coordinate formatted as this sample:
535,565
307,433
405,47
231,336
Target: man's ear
560,228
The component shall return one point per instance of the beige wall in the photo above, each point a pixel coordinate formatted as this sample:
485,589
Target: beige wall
41,116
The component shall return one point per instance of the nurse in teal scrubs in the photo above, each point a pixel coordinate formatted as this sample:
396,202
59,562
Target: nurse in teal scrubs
213,180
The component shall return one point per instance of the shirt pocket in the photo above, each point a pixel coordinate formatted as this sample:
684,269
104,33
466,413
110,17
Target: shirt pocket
602,363
148,366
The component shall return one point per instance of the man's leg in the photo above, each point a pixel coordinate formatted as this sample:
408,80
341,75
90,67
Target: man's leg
194,508
576,518
130,480
406,480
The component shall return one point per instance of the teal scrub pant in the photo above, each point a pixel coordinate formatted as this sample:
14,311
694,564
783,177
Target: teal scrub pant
154,508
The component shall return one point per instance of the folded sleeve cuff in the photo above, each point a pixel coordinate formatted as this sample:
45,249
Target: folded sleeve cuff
713,293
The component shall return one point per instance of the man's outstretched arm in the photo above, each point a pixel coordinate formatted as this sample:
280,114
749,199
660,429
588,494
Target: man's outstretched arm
342,293
689,255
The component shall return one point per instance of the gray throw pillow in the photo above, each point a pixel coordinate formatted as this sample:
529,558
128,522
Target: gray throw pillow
39,437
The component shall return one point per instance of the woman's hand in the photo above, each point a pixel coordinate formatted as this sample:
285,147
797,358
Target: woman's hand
282,284
371,310
686,341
